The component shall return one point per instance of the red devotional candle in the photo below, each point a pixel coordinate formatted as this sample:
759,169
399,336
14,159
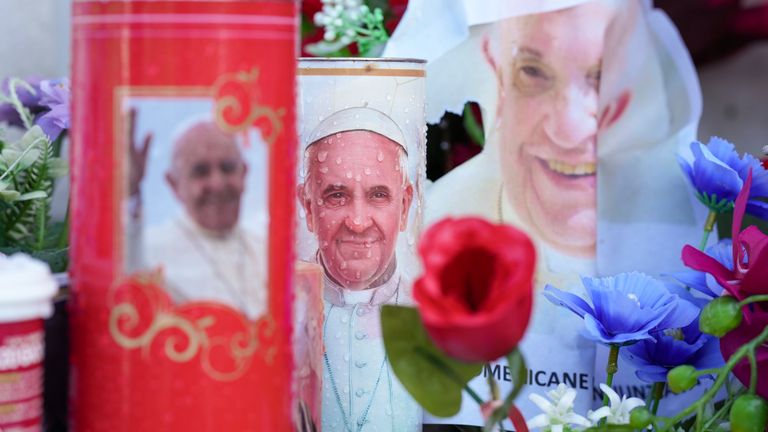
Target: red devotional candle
160,343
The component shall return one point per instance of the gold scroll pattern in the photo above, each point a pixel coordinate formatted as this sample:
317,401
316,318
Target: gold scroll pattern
238,106
186,337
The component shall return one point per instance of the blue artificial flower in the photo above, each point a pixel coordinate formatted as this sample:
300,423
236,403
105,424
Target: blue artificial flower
699,280
718,174
55,96
674,347
627,308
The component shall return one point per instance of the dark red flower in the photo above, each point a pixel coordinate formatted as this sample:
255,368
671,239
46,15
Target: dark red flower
749,277
476,293
753,324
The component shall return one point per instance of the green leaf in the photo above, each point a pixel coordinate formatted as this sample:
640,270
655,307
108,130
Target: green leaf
57,259
20,160
434,380
32,195
31,137
9,195
57,167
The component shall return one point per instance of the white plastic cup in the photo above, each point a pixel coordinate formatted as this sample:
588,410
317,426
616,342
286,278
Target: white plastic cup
26,291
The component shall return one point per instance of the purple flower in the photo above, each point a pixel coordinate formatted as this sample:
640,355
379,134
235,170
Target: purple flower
674,347
627,308
718,174
55,96
699,280
31,100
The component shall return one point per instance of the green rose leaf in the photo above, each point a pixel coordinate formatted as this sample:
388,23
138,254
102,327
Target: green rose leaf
434,380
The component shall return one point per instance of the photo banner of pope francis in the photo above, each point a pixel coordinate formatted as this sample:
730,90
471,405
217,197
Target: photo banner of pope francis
585,104
196,207
362,133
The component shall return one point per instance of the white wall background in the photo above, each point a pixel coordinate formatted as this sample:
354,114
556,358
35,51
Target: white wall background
735,92
35,37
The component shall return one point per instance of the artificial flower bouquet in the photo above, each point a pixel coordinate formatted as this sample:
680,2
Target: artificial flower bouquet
29,166
706,325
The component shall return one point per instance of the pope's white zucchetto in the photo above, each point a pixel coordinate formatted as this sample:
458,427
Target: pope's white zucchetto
358,119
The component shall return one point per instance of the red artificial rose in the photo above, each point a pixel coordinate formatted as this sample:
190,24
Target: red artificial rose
476,293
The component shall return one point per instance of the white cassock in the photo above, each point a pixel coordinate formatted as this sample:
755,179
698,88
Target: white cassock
199,266
360,391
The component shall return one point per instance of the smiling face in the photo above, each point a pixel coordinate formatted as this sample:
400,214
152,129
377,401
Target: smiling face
549,122
207,176
356,198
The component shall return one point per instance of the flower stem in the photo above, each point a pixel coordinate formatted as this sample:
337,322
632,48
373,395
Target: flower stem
700,418
709,225
473,395
753,299
656,394
611,369
493,386
63,238
752,372
722,376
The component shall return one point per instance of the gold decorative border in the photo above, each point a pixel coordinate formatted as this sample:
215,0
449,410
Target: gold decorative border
194,340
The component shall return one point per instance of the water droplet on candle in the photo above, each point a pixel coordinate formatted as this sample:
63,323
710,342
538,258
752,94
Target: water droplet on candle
380,156
322,155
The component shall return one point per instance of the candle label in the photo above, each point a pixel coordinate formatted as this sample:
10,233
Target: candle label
183,197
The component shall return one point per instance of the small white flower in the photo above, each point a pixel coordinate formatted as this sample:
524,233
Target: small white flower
618,412
321,19
557,412
329,35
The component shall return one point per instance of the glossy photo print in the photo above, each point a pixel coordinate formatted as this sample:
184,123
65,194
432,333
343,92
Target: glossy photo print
361,132
578,101
196,212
